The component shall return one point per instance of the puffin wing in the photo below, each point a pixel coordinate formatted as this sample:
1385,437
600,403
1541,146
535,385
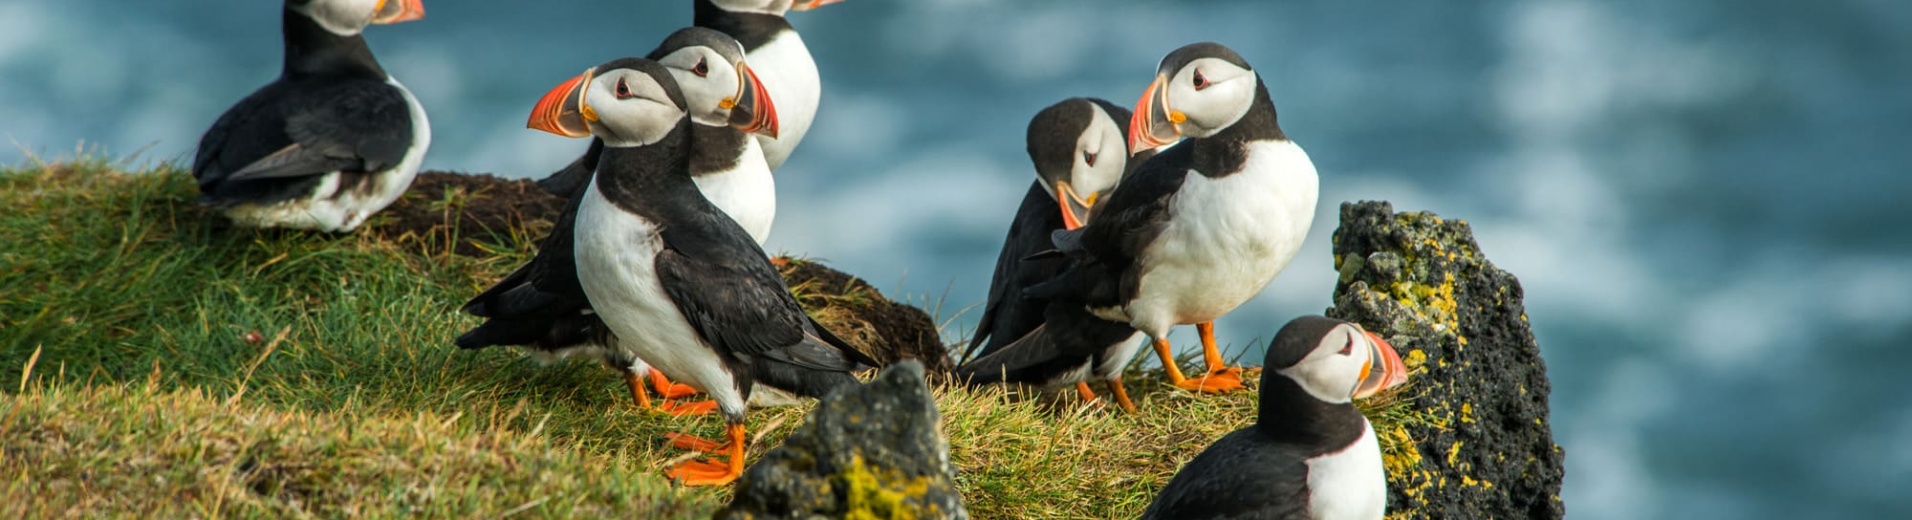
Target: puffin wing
305,129
728,291
1107,270
1006,311
1241,476
542,302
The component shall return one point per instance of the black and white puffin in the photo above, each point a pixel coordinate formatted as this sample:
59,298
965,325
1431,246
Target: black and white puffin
332,141
1310,455
1202,227
680,284
545,310
772,45
1080,150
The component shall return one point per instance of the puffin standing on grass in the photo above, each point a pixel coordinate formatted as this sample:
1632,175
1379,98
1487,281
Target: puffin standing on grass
1080,150
1310,455
678,283
1202,227
332,141
773,46
544,308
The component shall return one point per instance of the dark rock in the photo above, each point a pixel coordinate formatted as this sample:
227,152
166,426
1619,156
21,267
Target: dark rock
1486,449
870,451
886,330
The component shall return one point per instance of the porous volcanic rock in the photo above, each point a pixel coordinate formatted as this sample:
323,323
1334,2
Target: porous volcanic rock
1487,450
870,451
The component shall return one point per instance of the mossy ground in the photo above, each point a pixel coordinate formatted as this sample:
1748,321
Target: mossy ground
182,368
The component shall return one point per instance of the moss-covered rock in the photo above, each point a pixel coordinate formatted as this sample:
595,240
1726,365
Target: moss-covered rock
1487,449
874,451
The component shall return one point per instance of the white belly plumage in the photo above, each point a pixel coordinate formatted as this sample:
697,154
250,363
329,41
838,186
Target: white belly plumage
328,209
1349,484
616,255
747,192
790,75
1227,238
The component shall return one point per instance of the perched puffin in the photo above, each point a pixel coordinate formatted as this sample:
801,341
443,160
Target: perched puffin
332,141
1203,226
1080,150
678,283
773,46
1310,455
545,309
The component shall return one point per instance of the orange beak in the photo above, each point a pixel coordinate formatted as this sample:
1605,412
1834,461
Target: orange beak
563,111
395,11
1154,123
751,109
1384,369
1075,210
811,4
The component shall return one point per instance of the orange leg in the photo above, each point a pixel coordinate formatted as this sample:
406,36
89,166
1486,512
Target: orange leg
1220,378
1164,351
668,389
714,472
637,389
688,442
1121,395
1083,391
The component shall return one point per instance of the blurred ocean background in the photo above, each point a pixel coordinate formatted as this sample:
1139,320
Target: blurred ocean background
1707,201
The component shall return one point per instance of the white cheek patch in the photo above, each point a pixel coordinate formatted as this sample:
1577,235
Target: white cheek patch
1110,145
1229,95
342,17
1327,374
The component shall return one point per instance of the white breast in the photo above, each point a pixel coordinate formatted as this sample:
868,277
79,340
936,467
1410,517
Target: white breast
1349,484
616,255
747,192
1226,238
790,75
328,208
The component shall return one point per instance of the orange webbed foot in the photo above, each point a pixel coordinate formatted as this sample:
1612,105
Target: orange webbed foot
688,442
704,473
669,389
682,409
1221,381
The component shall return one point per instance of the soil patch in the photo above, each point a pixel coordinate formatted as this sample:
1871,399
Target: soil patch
462,210
854,310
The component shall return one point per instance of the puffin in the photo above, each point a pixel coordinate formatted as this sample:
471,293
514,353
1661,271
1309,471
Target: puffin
1202,227
545,311
1079,147
330,142
678,283
1310,455
774,46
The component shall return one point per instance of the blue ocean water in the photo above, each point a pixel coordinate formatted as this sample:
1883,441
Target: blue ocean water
1706,200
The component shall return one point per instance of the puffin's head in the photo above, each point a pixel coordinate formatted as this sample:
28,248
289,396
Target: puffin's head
721,89
349,17
770,7
1079,152
1199,90
626,102
1335,361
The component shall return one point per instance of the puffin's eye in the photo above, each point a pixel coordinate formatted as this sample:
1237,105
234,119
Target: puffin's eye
1088,158
1348,349
1201,82
623,90
702,69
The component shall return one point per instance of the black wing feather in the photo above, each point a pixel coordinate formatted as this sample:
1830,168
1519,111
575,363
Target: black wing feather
1243,476
1008,316
728,291
296,128
571,180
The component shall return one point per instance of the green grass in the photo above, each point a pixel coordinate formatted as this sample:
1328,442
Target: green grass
181,368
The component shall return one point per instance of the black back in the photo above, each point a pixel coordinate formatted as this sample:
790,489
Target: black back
751,29
330,110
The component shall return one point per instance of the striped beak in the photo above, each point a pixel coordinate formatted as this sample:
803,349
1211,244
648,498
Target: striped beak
1154,123
750,108
563,111
1384,369
395,11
